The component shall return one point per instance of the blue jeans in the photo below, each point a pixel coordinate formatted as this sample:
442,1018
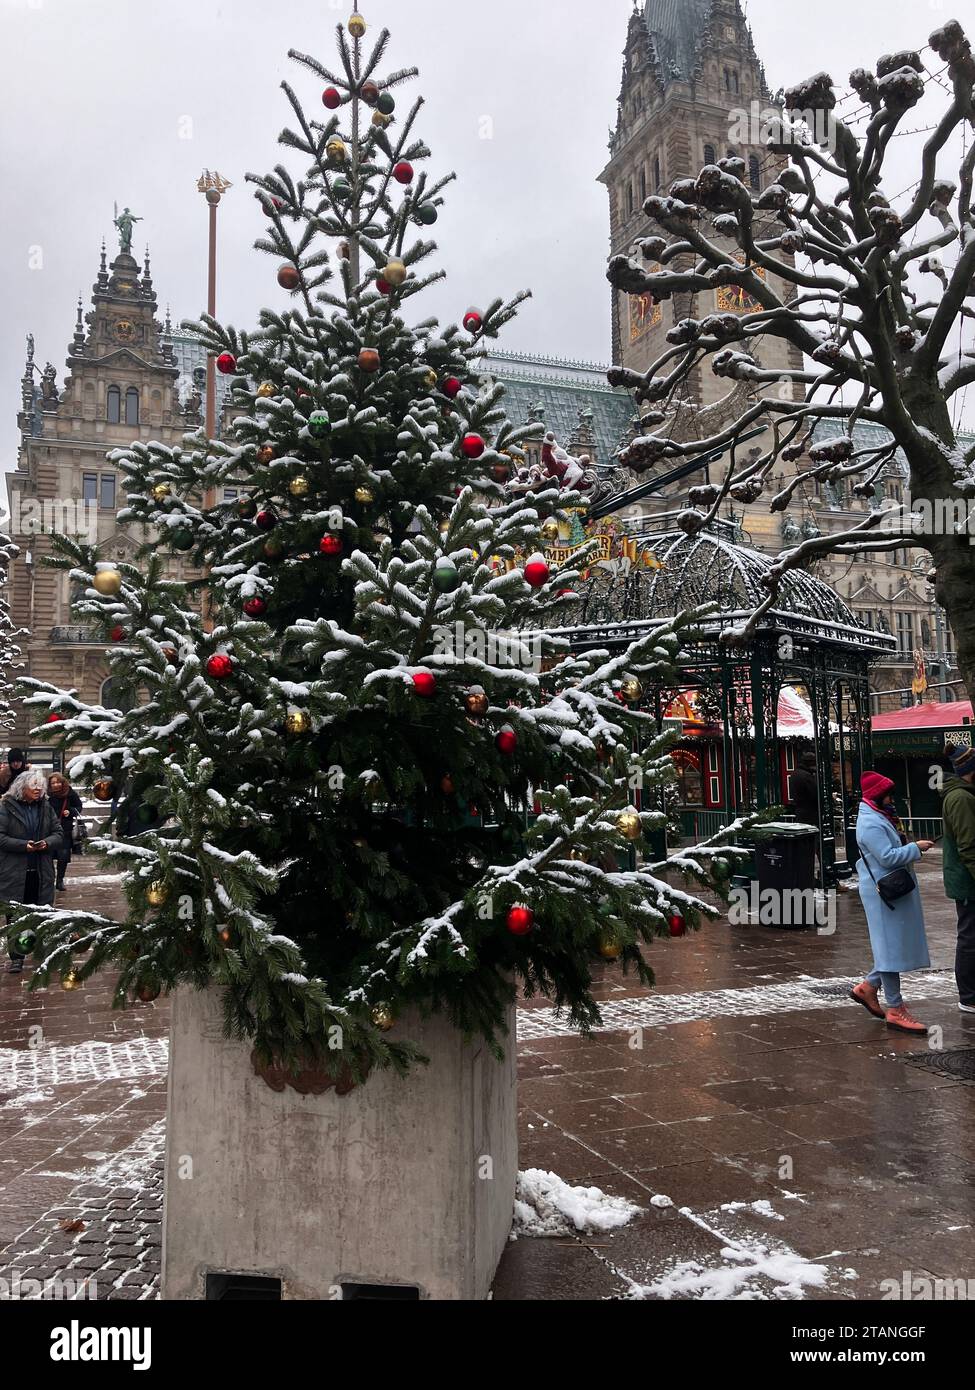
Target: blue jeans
890,982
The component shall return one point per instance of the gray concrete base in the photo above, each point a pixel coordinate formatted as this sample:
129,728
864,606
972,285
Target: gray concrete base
401,1182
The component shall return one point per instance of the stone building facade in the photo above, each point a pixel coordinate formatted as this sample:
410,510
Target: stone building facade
694,91
124,383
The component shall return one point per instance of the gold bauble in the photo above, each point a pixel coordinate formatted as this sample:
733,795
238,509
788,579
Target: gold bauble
476,702
364,495
357,26
395,273
609,947
265,453
444,527
69,980
380,119
157,893
631,689
107,582
550,530
628,824
298,722
161,491
266,388
579,856
335,151
430,379
299,487
103,790
383,1017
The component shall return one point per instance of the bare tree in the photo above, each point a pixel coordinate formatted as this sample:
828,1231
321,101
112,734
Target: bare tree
869,347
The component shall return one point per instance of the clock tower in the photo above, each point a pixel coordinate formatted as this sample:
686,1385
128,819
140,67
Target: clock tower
693,92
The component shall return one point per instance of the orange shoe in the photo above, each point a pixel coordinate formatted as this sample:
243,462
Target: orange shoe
904,1021
867,996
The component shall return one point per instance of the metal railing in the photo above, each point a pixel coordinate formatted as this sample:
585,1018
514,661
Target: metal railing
76,634
923,827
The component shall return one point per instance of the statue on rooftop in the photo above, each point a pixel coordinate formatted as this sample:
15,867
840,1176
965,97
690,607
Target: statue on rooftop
125,222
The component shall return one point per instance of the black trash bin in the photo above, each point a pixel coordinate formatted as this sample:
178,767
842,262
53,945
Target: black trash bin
785,865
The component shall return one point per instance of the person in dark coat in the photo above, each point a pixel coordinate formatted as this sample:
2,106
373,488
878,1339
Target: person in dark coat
30,841
805,791
16,764
66,804
958,802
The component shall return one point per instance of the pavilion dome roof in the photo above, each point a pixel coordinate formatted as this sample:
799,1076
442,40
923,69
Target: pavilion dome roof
711,569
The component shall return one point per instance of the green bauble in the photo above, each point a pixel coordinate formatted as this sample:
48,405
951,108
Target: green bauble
182,539
319,424
341,188
25,941
721,869
427,214
386,104
445,577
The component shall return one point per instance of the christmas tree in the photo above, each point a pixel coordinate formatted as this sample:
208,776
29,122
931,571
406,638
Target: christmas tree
358,776
9,650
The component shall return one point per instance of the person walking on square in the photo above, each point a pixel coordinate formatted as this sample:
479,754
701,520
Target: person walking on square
805,791
896,925
958,809
30,840
16,764
66,804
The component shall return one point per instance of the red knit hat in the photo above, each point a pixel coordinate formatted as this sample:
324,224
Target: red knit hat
875,785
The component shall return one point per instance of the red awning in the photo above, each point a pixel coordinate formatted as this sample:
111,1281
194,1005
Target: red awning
950,714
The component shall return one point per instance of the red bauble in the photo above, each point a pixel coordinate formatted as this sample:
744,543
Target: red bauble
507,740
447,785
226,363
330,545
118,633
425,684
255,608
403,171
369,360
220,666
472,446
473,321
332,98
677,924
537,571
451,387
383,286
289,277
266,521
54,719
520,920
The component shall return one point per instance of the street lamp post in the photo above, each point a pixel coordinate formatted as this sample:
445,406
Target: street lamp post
213,186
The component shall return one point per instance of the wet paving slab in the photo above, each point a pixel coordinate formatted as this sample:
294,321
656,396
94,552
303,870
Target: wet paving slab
778,1142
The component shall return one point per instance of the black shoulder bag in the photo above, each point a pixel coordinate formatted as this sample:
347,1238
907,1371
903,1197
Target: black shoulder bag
897,884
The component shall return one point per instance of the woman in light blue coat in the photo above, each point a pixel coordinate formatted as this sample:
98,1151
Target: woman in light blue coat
897,936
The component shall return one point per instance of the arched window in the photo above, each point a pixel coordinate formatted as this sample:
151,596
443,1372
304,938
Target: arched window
734,79
727,80
709,156
754,172
114,405
132,406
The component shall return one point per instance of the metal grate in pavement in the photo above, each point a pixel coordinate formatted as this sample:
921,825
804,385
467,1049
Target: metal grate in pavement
958,1062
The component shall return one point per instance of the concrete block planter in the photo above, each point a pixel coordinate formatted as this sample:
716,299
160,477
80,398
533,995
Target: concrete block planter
398,1188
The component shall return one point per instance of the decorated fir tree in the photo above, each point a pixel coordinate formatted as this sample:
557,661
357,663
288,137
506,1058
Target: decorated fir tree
10,662
357,776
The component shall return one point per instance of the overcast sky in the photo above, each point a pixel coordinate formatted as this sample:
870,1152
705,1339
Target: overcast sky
100,96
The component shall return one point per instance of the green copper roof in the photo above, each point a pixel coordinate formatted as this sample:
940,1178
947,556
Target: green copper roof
555,391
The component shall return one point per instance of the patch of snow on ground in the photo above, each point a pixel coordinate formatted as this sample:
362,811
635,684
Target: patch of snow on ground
660,1201
547,1206
742,1276
763,1207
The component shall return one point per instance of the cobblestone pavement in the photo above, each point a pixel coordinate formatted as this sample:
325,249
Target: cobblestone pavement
781,1143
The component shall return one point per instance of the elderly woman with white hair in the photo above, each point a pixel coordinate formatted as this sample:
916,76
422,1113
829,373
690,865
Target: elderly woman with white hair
30,841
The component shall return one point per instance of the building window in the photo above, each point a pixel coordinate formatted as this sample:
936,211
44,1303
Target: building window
905,632
114,405
230,494
114,695
643,185
734,80
656,173
131,406
89,487
629,199
754,172
709,155
106,496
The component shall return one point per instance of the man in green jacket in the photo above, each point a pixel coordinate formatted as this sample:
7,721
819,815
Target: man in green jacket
958,809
